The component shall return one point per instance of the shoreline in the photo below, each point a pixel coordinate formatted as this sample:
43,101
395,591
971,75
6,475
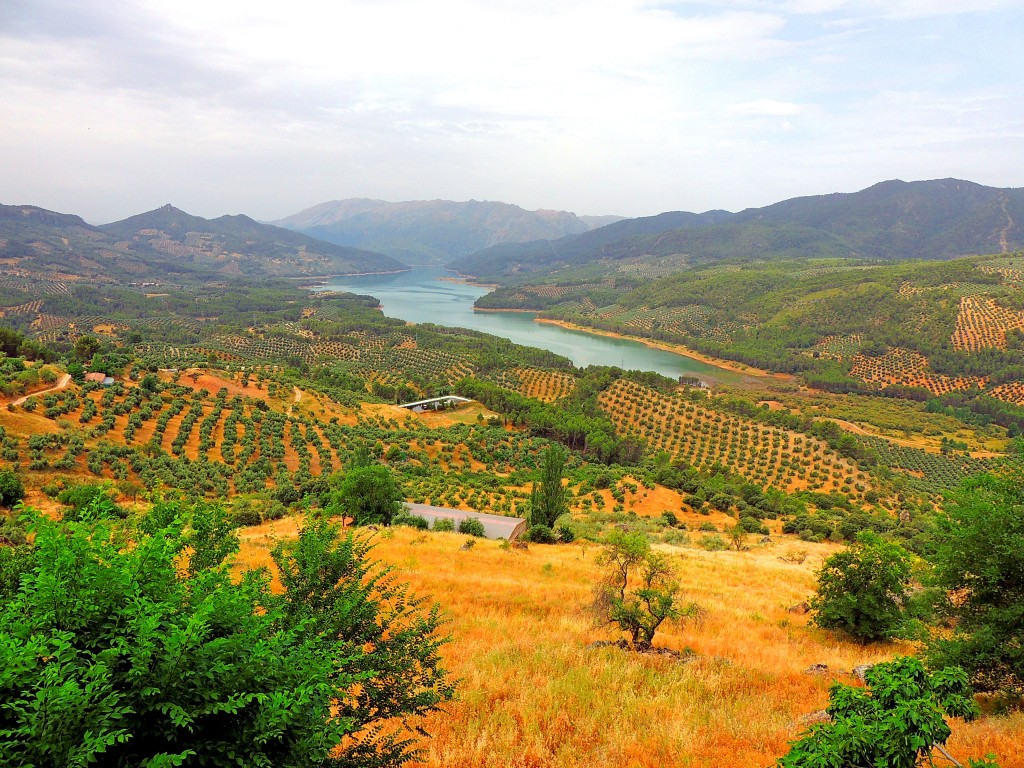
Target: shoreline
667,346
318,280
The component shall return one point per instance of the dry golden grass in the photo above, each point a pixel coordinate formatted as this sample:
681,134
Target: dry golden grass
533,694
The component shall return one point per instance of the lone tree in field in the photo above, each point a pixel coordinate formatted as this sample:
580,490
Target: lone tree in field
639,591
896,721
369,495
979,567
862,590
548,499
112,654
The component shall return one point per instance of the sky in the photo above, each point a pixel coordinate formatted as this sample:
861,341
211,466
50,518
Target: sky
113,107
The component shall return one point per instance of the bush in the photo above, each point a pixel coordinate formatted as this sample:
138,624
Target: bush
565,534
896,721
89,502
980,559
12,490
753,525
712,542
862,590
540,534
142,662
444,524
413,521
247,516
471,526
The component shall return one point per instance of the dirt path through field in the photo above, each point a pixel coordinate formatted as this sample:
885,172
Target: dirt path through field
64,381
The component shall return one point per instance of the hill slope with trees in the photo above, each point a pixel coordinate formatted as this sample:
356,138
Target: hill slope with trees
892,220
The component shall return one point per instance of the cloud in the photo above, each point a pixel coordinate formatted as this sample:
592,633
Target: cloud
618,106
765,108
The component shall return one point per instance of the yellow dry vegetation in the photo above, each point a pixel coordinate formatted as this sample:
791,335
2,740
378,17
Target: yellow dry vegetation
533,693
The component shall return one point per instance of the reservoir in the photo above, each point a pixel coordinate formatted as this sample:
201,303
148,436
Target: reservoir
429,295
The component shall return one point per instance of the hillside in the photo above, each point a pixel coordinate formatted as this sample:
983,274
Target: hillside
892,220
40,247
433,231
239,245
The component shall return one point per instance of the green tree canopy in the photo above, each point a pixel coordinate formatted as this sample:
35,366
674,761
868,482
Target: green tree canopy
979,566
111,653
369,495
895,721
548,497
862,590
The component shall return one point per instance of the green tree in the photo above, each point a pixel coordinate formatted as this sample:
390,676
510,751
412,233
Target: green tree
12,490
548,499
639,592
111,654
369,495
897,720
86,347
862,590
979,568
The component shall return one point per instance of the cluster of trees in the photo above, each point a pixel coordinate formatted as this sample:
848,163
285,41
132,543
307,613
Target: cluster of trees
572,422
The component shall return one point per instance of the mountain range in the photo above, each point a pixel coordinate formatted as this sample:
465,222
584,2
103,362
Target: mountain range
168,243
938,219
434,231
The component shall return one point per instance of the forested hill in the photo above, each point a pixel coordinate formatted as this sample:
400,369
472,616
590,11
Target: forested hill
939,219
166,244
241,245
434,231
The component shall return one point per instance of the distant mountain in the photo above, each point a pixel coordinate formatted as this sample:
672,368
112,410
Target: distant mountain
168,243
238,245
939,219
434,231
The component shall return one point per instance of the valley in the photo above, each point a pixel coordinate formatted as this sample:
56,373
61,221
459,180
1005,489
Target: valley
746,418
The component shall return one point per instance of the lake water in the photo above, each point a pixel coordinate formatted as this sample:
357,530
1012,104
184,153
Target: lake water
423,295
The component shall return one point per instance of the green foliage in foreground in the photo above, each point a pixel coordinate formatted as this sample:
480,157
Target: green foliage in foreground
111,654
862,590
979,566
894,722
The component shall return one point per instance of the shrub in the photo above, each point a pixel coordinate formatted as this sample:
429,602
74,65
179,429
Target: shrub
708,527
862,590
89,502
639,592
170,667
896,721
444,524
980,559
247,516
471,526
565,534
753,525
413,521
712,542
540,534
12,490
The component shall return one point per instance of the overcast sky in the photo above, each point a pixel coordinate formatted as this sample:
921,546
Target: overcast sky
110,108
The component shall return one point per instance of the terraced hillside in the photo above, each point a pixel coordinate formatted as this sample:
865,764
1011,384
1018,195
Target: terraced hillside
704,437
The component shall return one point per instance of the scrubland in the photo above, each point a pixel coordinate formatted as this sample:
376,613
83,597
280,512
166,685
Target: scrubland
533,692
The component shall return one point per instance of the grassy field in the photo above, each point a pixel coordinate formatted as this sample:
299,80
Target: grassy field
533,693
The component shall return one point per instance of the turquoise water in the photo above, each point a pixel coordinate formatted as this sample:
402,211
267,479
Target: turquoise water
422,295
